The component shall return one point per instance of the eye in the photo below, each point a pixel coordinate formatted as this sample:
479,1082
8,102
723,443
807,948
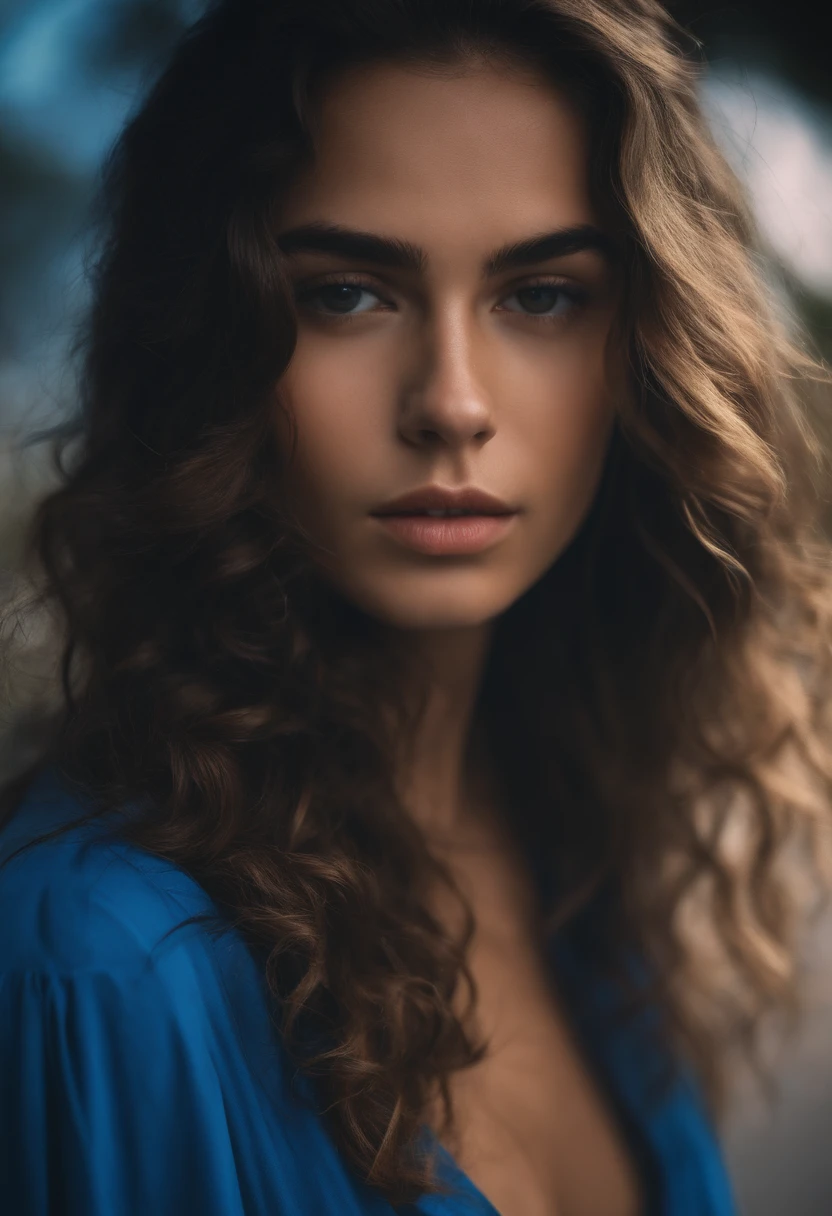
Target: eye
339,298
545,301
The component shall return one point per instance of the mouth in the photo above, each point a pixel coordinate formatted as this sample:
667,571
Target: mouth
446,520
445,533
442,502
437,514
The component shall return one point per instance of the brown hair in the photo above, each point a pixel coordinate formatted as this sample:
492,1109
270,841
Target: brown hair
666,743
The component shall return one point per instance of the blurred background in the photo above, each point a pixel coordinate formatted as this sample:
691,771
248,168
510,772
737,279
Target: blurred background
72,70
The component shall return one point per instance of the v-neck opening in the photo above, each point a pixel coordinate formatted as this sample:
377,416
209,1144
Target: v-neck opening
484,1204
628,1117
629,1123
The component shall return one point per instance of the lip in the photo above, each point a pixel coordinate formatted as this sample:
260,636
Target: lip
438,498
452,536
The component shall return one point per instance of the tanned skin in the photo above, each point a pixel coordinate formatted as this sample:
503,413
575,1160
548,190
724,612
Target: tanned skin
435,356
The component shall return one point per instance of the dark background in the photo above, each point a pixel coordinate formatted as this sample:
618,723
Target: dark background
70,72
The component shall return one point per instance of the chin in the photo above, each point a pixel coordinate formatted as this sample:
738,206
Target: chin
438,621
409,606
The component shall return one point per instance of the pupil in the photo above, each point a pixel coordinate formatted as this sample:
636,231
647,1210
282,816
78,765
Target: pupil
340,297
538,299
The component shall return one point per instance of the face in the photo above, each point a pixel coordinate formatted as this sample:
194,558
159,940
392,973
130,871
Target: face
463,346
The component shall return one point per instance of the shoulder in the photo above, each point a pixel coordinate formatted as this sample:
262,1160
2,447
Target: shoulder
83,900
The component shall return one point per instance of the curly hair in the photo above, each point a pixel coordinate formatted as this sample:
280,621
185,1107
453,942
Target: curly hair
657,702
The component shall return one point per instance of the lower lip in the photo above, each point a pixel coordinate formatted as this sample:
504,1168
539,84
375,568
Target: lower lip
458,534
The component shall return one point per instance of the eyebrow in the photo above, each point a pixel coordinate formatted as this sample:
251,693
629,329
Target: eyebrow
402,255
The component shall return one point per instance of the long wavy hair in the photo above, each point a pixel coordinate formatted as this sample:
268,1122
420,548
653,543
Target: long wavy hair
657,703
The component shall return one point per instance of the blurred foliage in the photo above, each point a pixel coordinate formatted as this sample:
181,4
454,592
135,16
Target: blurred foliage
137,33
790,40
41,202
816,312
43,195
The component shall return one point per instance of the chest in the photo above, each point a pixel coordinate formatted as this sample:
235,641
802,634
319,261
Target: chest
534,1133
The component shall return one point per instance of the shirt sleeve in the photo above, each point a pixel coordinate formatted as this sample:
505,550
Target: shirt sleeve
110,1101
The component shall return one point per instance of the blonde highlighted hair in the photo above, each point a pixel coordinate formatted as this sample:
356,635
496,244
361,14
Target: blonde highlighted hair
658,704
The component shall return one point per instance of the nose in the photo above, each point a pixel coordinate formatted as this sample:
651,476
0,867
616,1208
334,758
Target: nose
445,400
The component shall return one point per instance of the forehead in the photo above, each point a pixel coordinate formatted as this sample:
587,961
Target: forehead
474,156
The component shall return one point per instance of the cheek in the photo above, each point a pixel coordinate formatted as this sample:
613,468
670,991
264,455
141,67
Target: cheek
336,395
564,422
565,414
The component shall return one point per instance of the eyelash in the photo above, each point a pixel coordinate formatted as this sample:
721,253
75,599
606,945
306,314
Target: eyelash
575,295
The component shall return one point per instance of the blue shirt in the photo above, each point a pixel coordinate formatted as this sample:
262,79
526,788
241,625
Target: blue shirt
140,1071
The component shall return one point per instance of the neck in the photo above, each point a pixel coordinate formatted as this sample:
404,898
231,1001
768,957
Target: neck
438,771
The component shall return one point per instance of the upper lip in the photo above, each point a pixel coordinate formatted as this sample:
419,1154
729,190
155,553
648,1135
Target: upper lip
438,498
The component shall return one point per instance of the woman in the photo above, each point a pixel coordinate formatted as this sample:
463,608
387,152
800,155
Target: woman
382,855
